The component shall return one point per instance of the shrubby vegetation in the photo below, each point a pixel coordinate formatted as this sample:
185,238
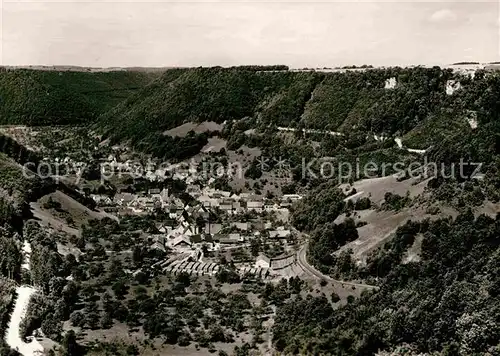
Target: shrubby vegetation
173,148
16,190
322,206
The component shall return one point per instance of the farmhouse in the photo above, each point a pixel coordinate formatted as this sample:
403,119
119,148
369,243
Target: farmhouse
263,261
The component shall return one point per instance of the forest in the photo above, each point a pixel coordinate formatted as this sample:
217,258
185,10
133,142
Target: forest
446,303
35,97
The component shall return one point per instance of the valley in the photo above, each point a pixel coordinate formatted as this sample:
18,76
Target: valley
249,211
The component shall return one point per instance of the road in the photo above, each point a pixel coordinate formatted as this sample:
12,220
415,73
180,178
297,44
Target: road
313,131
13,336
23,296
302,261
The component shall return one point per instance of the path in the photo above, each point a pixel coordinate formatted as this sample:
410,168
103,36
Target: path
292,129
354,196
13,336
24,293
269,333
399,142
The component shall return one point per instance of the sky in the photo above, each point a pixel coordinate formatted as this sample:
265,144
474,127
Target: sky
205,33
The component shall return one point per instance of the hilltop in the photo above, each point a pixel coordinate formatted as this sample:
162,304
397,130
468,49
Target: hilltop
422,106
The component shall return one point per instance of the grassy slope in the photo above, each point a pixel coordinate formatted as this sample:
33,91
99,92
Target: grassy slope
51,97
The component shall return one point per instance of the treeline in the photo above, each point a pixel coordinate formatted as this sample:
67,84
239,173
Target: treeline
10,255
355,103
262,68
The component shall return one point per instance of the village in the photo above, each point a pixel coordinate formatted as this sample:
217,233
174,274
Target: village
210,224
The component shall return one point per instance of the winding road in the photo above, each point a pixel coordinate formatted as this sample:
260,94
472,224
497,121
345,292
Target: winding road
13,336
23,296
308,268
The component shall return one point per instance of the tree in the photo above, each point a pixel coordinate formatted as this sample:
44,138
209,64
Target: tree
70,346
132,350
77,319
120,289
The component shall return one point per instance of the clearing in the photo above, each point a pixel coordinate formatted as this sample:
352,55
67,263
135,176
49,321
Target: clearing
182,130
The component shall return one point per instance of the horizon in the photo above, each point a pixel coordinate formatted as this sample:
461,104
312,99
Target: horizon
342,66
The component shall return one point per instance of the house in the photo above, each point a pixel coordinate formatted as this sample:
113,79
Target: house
154,191
263,261
279,234
173,215
196,239
270,206
236,237
190,230
255,206
175,206
158,246
158,238
124,199
212,228
242,226
101,200
164,228
164,195
193,190
210,203
244,196
221,194
291,197
237,208
228,238
200,211
144,203
227,208
181,242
